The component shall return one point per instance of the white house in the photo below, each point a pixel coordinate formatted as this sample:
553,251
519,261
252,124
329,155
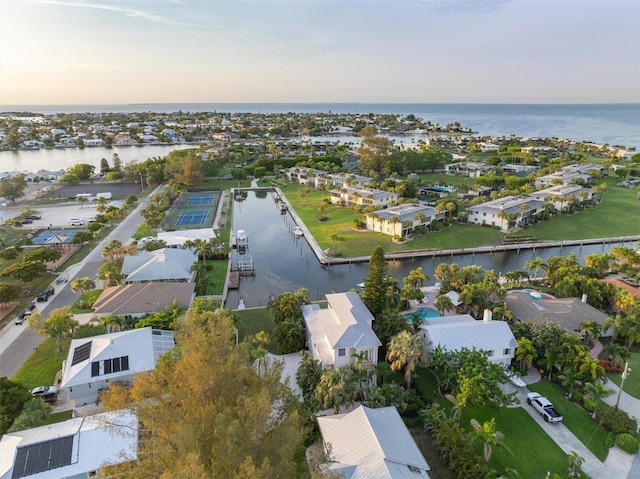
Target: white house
504,212
72,449
371,443
561,195
95,361
452,333
367,197
165,264
401,219
341,331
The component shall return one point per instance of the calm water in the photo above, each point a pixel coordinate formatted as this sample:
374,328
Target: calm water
63,158
286,263
615,124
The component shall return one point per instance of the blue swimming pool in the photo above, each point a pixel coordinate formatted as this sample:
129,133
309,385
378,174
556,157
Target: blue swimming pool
424,313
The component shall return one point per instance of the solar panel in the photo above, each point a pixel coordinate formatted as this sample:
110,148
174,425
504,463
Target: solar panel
43,456
81,353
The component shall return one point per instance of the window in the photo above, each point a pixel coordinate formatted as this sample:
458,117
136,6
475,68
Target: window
341,352
507,351
490,353
366,354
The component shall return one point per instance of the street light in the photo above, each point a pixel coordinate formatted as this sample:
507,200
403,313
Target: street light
624,375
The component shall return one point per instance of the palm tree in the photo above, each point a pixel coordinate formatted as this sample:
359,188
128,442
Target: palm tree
443,303
618,322
525,353
591,329
596,392
535,265
405,351
488,434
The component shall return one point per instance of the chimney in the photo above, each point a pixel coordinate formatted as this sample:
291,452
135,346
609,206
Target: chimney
584,298
487,316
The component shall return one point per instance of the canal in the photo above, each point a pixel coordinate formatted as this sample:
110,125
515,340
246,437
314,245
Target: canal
284,262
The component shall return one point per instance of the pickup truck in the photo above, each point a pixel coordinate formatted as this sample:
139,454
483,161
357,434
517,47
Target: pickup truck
544,407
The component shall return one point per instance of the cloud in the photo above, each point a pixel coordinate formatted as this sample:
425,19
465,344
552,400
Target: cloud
125,10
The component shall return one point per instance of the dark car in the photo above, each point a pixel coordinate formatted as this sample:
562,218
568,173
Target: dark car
32,217
44,295
26,221
31,307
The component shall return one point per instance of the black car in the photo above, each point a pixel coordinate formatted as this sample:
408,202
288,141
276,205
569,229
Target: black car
26,221
44,295
31,307
32,217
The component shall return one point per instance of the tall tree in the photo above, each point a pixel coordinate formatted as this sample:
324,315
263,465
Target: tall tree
25,271
13,187
34,413
13,396
59,323
373,294
83,284
9,292
233,423
405,351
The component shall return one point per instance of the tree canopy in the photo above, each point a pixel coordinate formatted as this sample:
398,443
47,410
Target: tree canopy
13,187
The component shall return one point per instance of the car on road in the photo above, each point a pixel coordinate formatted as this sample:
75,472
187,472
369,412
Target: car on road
26,221
76,221
21,318
33,217
44,295
47,393
30,307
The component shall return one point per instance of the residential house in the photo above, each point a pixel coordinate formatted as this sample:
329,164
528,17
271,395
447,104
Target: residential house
367,197
505,212
371,443
165,264
402,219
123,139
95,361
472,169
560,196
139,299
342,331
73,449
530,305
570,173
177,239
452,333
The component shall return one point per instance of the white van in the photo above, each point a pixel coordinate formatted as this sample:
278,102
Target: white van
76,221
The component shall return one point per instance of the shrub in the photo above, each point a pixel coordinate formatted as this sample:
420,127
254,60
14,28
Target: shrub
323,218
609,440
9,254
617,421
628,443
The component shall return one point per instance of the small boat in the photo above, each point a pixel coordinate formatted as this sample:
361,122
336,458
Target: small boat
360,285
241,238
298,231
283,207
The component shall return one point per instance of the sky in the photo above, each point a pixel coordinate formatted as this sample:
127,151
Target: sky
74,52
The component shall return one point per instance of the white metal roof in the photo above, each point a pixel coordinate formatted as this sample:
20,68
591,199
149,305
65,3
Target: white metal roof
108,438
372,444
487,335
161,264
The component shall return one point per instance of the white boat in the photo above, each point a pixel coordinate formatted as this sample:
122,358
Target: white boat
241,238
360,285
514,378
298,231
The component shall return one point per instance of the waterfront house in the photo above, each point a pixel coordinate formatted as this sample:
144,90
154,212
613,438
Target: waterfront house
139,299
165,264
571,173
505,212
452,333
529,305
367,197
561,196
337,334
123,139
76,448
371,443
92,363
402,219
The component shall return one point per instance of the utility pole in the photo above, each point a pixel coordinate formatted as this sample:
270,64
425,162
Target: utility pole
624,375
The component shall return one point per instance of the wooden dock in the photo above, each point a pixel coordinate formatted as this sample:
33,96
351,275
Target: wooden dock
234,280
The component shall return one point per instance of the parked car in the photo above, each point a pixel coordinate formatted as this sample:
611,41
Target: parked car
544,407
33,217
76,221
26,221
47,393
21,318
30,307
44,295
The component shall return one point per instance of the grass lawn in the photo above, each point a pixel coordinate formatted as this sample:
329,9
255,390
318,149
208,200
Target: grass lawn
577,419
216,276
632,383
533,452
58,417
143,232
252,321
88,298
41,366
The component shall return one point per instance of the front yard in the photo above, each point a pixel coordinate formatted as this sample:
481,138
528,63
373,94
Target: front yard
42,365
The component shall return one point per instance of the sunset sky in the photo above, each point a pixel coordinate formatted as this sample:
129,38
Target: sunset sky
475,51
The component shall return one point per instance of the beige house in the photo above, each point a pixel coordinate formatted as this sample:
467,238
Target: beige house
402,219
367,197
505,212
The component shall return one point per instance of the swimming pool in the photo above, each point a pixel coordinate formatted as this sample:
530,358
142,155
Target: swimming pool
424,313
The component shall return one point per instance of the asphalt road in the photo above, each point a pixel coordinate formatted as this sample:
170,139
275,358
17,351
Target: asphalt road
17,353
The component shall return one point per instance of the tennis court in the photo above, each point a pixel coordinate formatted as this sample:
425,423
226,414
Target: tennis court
193,217
199,199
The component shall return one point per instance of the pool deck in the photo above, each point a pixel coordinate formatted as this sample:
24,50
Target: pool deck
430,295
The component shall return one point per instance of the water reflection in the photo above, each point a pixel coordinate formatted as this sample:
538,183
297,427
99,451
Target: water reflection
286,263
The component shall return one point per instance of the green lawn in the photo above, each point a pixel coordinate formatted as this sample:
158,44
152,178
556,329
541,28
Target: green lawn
252,321
43,363
577,419
533,452
217,275
58,417
143,232
632,383
88,298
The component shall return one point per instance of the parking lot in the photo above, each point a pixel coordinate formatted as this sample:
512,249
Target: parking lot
58,216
